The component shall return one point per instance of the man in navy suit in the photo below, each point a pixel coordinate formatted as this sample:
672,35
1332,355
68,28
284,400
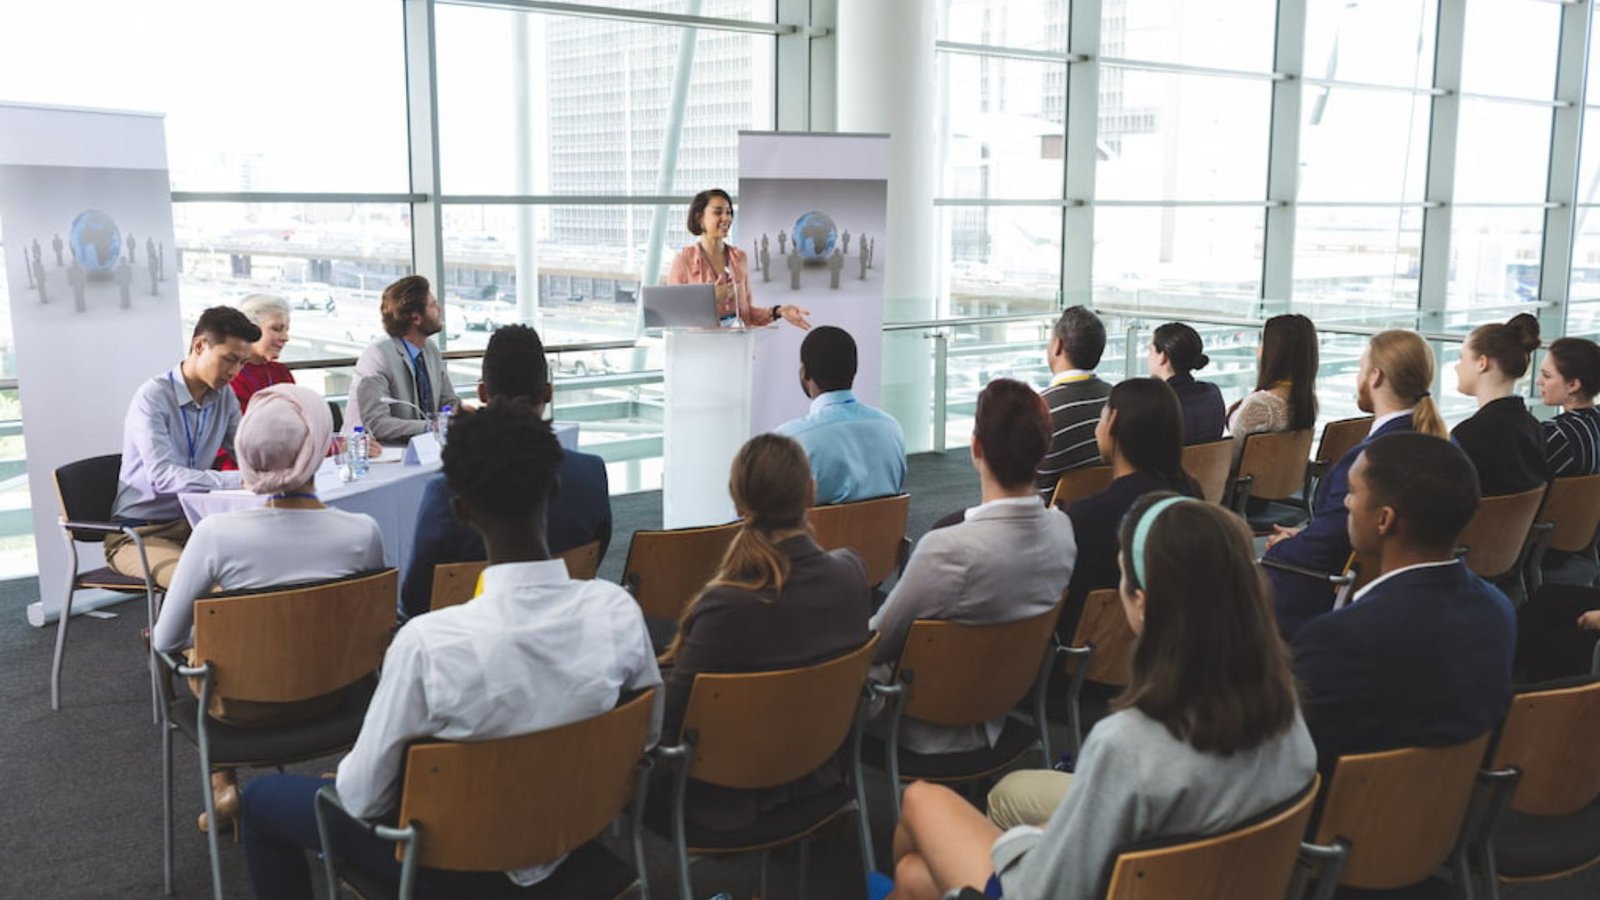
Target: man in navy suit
1422,655
580,512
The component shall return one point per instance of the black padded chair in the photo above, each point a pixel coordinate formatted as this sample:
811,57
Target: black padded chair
87,489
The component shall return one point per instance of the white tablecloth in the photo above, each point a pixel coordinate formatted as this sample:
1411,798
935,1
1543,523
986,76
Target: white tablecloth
390,493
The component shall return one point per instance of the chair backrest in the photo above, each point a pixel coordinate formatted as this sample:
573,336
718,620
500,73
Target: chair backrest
1400,810
1276,462
455,583
665,569
1105,625
762,729
1499,530
279,646
1340,436
514,802
966,674
1252,862
873,528
1209,464
1075,484
87,489
1553,736
1573,507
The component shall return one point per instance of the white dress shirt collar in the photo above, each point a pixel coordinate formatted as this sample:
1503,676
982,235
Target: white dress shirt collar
999,505
831,398
1385,419
1356,598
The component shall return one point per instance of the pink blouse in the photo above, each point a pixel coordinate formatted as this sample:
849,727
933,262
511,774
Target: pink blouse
691,266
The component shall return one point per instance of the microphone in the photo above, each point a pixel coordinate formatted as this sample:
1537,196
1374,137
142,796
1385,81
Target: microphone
387,399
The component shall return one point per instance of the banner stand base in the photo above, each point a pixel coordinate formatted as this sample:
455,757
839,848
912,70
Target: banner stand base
83,602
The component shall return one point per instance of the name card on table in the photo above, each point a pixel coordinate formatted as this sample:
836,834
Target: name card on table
423,450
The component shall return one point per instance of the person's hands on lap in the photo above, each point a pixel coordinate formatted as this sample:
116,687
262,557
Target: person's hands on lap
1590,621
1281,534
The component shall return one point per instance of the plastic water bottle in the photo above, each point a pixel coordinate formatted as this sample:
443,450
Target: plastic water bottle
358,449
444,422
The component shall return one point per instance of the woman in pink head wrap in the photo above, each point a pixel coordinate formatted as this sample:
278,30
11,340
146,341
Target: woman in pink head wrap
293,538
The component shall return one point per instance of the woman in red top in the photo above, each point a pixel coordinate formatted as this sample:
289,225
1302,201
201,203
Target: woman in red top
262,370
712,260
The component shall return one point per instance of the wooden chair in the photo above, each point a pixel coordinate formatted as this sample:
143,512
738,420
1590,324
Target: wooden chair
1075,484
1497,541
1568,522
1254,861
954,674
763,729
1272,467
283,645
1209,465
1357,571
1391,819
456,583
516,802
665,569
87,490
1101,652
1544,822
1338,438
875,528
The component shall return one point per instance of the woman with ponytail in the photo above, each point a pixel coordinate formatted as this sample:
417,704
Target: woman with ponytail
1176,351
1502,438
777,601
1393,384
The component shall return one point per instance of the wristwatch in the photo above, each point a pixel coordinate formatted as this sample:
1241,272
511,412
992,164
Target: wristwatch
777,311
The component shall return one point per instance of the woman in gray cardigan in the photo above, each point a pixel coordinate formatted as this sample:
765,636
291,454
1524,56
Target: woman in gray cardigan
1206,736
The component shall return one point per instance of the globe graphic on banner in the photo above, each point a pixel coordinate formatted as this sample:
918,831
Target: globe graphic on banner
815,235
94,237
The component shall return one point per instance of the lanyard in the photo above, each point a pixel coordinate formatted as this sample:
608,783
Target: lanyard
200,427
1071,379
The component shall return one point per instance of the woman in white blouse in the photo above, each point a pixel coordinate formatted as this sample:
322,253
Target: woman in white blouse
1285,398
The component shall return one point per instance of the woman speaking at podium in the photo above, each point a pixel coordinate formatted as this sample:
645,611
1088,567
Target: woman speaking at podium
712,260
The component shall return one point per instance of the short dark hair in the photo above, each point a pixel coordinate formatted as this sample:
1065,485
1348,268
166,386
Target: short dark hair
1082,336
1577,359
697,207
1013,427
829,356
1149,426
1209,665
514,365
1429,481
219,323
501,460
1509,345
1182,345
405,298
1289,355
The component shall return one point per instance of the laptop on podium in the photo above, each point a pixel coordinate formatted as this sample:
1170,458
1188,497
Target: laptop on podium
679,306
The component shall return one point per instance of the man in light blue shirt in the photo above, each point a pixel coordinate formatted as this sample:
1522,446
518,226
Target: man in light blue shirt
857,452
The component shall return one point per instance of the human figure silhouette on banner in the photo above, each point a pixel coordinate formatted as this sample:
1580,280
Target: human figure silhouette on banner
845,239
154,290
150,255
38,255
835,266
27,267
38,278
794,270
861,247
161,260
125,281
57,244
133,247
872,252
766,262
764,243
783,242
78,280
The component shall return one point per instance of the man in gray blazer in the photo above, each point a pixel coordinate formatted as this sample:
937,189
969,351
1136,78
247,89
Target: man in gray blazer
405,366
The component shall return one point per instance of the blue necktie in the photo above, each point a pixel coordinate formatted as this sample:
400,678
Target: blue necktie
424,386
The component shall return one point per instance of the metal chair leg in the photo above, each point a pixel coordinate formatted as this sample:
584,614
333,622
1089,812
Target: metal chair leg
166,808
61,649
204,743
803,882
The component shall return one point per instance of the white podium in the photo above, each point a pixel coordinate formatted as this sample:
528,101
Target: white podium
709,379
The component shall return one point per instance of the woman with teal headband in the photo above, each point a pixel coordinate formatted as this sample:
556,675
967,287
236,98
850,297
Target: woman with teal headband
1206,736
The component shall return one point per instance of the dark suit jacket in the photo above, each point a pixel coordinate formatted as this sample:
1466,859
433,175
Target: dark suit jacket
1204,415
579,513
1095,520
1505,444
821,614
1324,545
1423,658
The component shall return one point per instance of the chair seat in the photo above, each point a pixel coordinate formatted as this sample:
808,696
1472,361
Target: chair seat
237,745
1532,846
590,872
108,579
1015,739
774,826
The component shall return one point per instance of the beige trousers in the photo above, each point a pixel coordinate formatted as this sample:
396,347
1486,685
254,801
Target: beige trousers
1027,797
163,543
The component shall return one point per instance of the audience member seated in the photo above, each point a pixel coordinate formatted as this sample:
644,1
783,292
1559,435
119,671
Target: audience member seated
1569,378
1140,434
856,452
1175,352
1556,632
1422,654
1074,396
405,367
1392,383
777,601
1502,438
579,510
176,423
1009,559
270,313
1285,398
535,651
1205,737
293,539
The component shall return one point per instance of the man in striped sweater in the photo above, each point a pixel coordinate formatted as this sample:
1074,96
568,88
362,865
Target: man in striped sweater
1075,395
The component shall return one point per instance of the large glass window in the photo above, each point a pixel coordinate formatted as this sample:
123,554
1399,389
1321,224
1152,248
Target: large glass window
1198,138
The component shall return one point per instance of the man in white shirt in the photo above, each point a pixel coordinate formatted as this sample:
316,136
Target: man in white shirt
534,651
